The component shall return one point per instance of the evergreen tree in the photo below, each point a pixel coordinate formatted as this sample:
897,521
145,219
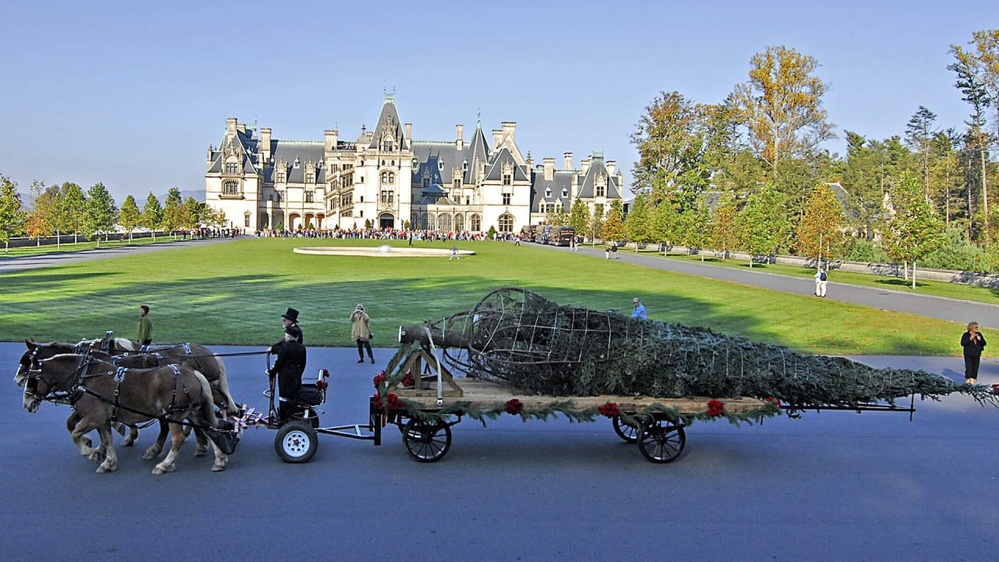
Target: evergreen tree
919,134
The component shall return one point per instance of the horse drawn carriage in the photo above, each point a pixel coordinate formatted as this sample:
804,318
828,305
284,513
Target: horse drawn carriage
520,354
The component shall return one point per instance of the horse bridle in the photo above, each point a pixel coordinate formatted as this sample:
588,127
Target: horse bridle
63,397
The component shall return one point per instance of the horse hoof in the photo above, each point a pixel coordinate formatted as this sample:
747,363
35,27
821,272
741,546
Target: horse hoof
161,469
201,450
218,468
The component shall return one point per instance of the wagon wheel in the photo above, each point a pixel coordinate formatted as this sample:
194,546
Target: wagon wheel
296,442
426,440
661,441
627,432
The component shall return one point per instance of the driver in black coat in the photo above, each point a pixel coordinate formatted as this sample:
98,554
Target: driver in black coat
288,368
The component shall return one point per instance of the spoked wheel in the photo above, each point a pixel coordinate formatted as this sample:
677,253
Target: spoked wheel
426,440
627,432
296,442
661,441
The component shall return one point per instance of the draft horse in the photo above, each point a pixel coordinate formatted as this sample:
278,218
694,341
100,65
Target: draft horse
42,351
102,393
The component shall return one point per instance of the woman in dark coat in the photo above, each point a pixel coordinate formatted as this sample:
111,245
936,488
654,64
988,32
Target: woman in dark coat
973,343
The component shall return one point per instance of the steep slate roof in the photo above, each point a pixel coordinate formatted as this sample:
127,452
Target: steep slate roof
389,118
586,185
494,168
248,147
561,179
304,151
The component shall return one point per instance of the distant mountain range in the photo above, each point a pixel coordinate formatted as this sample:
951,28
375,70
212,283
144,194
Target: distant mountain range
27,201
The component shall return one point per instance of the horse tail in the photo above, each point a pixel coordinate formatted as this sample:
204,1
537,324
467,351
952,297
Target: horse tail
207,410
223,385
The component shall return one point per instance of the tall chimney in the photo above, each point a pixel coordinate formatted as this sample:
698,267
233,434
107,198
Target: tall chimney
611,167
549,169
568,160
265,144
586,166
230,126
329,141
509,129
497,138
460,141
409,134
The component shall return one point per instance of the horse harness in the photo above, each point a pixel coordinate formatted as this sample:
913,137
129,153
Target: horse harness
79,388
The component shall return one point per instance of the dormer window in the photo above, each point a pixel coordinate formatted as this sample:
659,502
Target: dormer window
280,177
296,163
440,165
416,164
464,166
232,167
565,193
548,193
310,178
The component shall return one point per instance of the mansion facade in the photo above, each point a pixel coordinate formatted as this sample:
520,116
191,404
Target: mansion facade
385,179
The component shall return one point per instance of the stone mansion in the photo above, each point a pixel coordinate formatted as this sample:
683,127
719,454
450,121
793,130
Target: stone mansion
385,179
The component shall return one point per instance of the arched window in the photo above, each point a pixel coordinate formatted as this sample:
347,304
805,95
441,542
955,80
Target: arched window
459,223
444,222
475,224
506,222
230,187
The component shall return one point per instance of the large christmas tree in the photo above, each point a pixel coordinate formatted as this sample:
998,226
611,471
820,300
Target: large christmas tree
541,347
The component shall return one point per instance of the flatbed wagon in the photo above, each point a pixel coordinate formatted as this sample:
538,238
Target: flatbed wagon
656,425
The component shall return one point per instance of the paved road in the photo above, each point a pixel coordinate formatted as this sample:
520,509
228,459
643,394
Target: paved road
986,315
8,264
830,486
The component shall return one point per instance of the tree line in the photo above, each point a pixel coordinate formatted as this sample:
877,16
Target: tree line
92,214
749,173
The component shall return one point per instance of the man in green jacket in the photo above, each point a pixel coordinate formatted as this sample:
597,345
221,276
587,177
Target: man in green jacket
145,327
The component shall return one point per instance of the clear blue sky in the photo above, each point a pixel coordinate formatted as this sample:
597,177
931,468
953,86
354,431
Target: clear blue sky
132,93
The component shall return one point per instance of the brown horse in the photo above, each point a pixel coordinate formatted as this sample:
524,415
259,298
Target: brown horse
42,351
195,356
101,392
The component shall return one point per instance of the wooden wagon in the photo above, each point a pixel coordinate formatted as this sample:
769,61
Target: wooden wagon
424,410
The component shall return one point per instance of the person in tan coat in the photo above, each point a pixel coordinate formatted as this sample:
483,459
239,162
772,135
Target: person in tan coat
360,331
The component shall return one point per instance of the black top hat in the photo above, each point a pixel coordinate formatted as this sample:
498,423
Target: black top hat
292,315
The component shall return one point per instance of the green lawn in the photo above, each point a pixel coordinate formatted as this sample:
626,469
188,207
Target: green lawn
234,293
